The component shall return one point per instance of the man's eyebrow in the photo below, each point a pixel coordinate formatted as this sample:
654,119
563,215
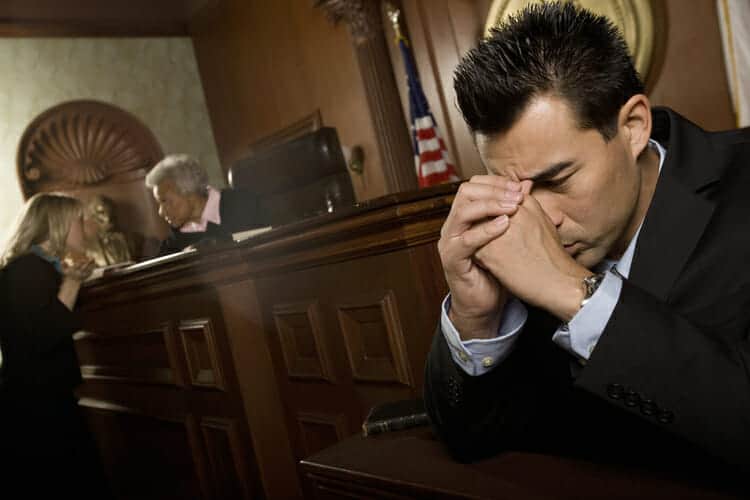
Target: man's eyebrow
551,172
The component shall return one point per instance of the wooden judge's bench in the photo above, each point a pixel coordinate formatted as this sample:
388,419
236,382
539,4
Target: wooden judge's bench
214,373
210,374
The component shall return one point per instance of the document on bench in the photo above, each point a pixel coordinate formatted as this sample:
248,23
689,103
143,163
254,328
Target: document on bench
243,235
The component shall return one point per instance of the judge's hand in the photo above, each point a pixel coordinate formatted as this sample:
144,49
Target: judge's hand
479,214
77,266
531,262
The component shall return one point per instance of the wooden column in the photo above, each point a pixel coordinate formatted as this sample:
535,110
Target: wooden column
365,22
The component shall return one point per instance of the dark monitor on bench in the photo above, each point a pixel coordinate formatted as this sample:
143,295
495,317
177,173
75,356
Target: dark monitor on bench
301,178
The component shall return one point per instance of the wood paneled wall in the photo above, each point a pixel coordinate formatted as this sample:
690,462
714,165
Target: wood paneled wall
265,65
690,75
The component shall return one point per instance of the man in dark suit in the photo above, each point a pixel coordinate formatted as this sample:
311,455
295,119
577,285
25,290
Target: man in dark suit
197,212
599,298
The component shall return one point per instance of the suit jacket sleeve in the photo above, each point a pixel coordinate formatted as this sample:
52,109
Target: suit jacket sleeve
41,321
655,377
477,416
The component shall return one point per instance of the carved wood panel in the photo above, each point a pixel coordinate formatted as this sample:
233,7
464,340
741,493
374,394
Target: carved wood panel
320,430
374,339
201,356
147,456
301,336
226,474
79,144
110,357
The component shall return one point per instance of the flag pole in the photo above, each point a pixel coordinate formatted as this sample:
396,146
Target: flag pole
432,162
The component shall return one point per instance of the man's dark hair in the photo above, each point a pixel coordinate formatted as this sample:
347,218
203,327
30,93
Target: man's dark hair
554,49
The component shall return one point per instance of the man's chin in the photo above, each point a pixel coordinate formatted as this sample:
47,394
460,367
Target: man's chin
589,257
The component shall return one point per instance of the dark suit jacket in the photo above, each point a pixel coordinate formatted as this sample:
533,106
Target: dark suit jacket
668,383
238,210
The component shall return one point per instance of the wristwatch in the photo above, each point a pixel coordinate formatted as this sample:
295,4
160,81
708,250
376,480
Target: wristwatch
590,285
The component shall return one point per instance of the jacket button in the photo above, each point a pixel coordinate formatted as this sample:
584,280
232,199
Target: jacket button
665,417
648,407
632,398
615,391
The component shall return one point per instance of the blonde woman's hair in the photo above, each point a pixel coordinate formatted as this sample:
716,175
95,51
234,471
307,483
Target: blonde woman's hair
45,217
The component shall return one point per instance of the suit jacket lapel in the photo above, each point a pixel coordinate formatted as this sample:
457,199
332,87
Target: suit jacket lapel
678,214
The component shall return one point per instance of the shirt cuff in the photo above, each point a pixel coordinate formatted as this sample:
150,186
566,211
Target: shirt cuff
580,335
478,356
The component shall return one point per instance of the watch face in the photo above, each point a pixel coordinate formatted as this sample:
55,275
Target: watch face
591,283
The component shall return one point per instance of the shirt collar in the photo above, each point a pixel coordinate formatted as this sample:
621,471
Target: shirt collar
40,252
623,265
211,213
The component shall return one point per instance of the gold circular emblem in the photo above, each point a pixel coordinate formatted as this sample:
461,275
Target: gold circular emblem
634,18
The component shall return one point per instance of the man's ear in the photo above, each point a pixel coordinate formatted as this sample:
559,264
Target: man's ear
634,122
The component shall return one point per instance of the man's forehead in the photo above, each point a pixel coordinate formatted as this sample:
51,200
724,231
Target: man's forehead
500,157
540,163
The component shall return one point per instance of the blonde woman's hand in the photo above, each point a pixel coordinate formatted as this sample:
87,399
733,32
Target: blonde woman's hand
77,266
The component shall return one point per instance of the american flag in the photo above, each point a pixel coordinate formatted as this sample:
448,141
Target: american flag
431,158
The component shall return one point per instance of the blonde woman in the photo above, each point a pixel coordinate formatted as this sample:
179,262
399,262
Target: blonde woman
41,427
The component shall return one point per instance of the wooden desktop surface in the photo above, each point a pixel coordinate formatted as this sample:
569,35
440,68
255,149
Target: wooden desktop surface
413,464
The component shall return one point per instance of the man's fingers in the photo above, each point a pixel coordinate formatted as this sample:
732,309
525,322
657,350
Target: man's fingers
474,213
483,233
465,244
503,190
497,181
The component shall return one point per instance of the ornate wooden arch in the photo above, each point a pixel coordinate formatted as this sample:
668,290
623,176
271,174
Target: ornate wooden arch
81,144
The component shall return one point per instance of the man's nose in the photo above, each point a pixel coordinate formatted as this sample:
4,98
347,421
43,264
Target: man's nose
550,208
554,214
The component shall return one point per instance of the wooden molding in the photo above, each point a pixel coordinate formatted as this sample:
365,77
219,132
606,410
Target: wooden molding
300,333
112,362
65,29
201,356
354,13
226,465
320,430
84,143
92,18
375,340
304,125
365,21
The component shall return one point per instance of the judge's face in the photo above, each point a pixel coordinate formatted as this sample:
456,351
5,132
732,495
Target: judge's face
174,207
588,187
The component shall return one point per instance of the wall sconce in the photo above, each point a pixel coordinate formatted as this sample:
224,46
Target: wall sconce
355,158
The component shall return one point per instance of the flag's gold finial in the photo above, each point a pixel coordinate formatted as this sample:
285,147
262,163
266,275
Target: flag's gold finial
394,14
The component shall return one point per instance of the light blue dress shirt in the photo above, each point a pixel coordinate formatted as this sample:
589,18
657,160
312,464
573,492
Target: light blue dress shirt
578,337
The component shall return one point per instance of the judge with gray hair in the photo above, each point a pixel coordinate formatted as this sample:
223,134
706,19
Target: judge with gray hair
196,211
